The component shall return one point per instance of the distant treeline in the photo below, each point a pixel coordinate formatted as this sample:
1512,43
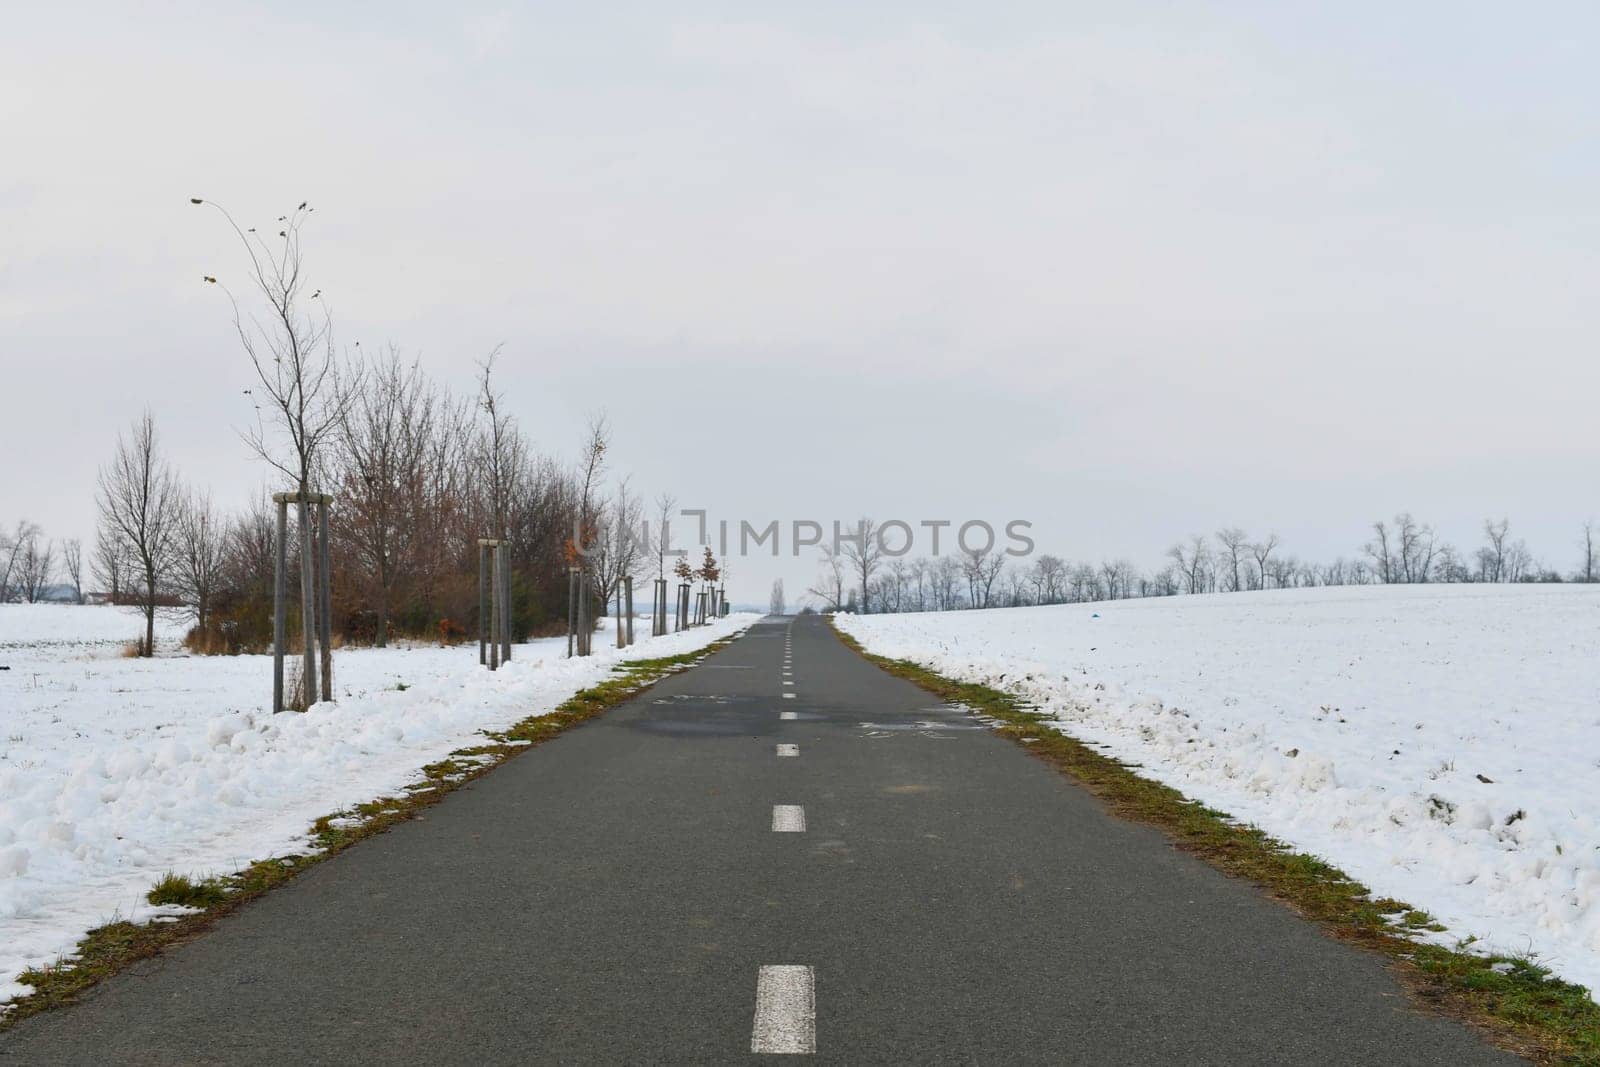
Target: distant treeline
860,576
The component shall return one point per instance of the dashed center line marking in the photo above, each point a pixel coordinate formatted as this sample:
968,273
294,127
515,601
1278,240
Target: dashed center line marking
788,716
786,1010
788,750
787,683
788,696
788,819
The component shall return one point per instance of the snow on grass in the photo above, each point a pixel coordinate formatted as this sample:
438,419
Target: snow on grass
115,772
1440,744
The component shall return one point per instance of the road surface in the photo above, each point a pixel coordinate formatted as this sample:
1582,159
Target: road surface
781,851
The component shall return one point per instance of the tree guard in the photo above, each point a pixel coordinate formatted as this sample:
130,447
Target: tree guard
316,597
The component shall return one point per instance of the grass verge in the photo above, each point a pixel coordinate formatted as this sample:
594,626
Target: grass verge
110,948
1518,1004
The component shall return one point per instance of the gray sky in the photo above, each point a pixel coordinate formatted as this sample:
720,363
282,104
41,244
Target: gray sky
1129,271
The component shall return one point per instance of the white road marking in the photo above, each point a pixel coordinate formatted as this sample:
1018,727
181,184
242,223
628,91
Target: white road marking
786,1010
788,716
788,819
788,750
788,696
788,682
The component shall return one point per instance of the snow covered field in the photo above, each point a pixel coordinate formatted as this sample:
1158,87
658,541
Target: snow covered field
115,771
1439,743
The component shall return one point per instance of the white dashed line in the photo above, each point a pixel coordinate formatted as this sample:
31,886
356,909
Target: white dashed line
786,1010
787,683
788,716
788,750
788,819
788,696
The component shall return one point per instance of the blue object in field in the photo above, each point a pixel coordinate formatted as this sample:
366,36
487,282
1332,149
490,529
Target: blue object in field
1096,615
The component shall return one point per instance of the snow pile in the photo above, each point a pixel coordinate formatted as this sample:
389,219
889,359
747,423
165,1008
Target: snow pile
115,771
1439,743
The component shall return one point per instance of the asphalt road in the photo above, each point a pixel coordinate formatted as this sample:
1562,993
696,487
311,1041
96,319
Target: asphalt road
661,885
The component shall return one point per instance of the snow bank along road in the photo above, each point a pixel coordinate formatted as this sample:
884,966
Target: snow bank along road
115,771
781,851
1441,744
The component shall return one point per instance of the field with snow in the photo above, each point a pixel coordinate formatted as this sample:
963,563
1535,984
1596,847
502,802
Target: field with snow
1439,743
115,771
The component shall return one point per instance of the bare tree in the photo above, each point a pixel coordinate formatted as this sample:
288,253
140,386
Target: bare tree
1017,585
72,559
12,547
1591,563
1118,575
892,586
35,567
387,437
1192,561
292,351
1085,583
198,555
1162,583
591,470
829,586
1261,552
1378,549
944,583
1284,570
1416,548
981,568
1048,576
1492,557
1233,541
775,603
864,552
666,508
290,347
140,501
614,552
500,447
110,560
1520,566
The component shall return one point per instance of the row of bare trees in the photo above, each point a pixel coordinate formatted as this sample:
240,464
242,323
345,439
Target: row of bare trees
31,568
857,576
418,476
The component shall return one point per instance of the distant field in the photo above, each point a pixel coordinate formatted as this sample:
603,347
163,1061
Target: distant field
115,771
1439,743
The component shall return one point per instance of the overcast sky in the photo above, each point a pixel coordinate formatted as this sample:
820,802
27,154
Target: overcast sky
1128,271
